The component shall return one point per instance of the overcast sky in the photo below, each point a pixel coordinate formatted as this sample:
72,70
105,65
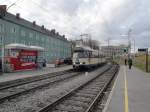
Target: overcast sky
102,19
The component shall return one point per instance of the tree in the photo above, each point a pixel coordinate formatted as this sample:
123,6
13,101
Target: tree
94,44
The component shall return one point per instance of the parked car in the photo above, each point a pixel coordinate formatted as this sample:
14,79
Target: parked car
68,61
59,61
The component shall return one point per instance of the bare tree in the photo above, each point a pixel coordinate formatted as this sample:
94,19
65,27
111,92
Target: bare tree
94,44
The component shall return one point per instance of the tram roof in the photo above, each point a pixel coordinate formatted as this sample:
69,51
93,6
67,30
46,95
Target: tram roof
84,48
22,46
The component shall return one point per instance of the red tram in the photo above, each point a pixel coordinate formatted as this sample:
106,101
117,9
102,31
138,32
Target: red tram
22,57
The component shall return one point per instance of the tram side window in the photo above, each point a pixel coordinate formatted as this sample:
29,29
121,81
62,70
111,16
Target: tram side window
14,53
24,59
83,54
93,55
80,55
86,54
31,58
90,54
28,58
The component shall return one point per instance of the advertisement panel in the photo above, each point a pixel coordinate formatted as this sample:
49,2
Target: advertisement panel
23,59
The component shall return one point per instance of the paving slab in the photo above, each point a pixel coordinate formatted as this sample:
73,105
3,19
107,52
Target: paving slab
23,74
131,92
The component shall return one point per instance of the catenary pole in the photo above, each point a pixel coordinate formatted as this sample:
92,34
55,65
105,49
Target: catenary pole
147,60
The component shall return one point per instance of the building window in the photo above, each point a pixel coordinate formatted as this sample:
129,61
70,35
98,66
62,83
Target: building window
47,39
13,30
37,37
29,43
23,33
23,42
42,39
1,27
14,40
1,39
30,35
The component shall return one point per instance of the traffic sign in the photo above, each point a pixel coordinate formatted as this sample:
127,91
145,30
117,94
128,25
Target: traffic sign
142,49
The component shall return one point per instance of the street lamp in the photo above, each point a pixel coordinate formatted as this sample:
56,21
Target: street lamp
3,41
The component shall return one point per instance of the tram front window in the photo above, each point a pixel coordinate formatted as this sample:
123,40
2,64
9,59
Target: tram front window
81,55
75,55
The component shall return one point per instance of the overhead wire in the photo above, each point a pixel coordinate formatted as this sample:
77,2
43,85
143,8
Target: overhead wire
35,3
14,3
19,7
45,10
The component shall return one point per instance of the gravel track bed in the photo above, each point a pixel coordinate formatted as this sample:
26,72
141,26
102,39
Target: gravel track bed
17,89
27,80
37,100
81,99
101,104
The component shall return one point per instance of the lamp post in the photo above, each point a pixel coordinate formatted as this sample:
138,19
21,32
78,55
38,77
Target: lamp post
129,43
134,46
3,37
3,53
3,10
3,34
14,3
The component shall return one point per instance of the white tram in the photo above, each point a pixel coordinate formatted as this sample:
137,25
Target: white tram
85,57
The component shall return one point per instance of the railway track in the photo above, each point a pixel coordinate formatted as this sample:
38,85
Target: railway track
19,82
18,89
84,97
100,101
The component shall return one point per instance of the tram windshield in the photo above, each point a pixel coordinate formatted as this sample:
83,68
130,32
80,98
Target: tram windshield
81,54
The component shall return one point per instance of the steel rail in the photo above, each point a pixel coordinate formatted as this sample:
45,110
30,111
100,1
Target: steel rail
11,96
34,88
101,92
50,106
19,82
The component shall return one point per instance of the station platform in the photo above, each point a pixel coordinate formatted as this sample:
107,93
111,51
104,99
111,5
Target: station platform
130,93
30,73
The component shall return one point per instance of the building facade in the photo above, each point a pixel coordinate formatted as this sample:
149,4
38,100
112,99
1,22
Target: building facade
110,51
14,29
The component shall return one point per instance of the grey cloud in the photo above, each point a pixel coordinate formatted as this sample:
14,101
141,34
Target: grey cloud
100,18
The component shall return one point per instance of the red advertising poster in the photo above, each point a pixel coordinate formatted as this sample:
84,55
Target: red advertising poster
25,59
28,53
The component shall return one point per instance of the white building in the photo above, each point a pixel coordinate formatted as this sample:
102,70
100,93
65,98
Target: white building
110,51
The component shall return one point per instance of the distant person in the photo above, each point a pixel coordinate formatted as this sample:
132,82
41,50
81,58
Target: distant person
44,62
130,63
125,61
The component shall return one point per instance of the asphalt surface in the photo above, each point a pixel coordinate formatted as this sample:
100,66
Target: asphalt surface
138,90
23,74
